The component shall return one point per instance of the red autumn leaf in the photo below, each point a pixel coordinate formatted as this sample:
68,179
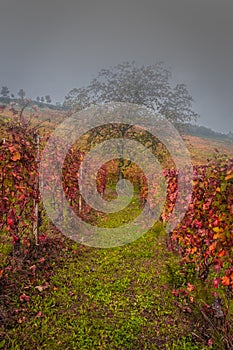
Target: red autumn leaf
216,282
210,342
15,239
10,222
42,238
175,292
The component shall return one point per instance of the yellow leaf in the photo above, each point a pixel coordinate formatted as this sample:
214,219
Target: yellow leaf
16,156
193,250
194,182
218,236
228,177
212,246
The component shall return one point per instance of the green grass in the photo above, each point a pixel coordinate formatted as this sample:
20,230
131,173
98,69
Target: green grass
115,298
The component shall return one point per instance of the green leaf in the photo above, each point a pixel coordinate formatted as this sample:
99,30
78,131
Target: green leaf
3,342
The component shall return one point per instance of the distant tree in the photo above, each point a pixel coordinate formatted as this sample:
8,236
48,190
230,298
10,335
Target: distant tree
48,99
5,91
21,94
144,85
38,99
59,105
42,99
12,96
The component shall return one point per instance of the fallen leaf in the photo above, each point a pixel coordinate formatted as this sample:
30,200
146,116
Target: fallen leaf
33,269
42,287
39,288
24,297
190,287
22,319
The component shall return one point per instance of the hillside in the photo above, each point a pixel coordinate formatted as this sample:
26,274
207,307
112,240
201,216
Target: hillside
201,147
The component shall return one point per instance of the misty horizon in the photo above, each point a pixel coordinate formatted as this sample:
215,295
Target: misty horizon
49,48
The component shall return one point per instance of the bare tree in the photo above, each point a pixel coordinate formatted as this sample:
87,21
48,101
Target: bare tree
146,85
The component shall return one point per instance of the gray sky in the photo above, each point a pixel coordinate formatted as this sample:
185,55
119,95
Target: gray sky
52,46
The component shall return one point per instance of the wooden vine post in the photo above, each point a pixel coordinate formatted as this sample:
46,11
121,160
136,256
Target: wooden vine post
80,185
36,203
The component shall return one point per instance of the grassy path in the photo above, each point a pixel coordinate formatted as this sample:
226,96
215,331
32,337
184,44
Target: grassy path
104,299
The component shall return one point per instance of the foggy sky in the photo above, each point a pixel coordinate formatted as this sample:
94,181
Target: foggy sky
52,46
